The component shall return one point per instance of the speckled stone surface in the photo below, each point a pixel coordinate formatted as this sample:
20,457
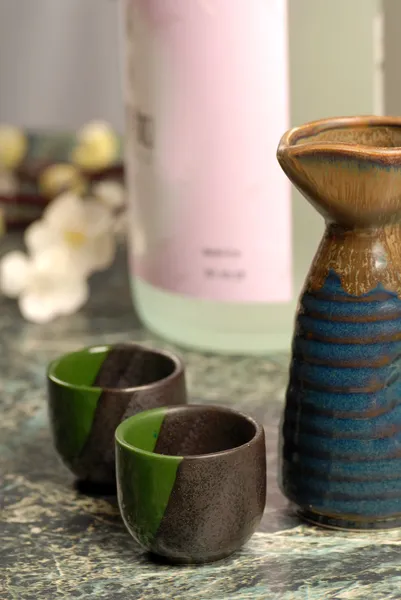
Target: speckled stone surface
57,542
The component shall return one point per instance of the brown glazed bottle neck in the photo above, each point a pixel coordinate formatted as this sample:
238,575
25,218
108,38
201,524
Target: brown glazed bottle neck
361,258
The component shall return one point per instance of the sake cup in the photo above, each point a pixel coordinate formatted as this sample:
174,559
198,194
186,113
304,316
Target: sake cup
92,390
191,480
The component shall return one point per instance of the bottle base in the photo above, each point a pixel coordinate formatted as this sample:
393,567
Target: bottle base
348,523
214,327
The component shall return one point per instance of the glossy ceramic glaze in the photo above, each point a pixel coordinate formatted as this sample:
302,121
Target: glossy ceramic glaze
341,456
92,390
191,480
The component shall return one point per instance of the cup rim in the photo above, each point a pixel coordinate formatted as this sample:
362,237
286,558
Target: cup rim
176,360
120,441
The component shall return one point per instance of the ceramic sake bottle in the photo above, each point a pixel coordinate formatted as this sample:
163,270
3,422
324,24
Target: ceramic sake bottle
341,432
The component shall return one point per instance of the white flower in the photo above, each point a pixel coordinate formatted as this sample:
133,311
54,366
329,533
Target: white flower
83,228
110,192
97,147
13,146
48,285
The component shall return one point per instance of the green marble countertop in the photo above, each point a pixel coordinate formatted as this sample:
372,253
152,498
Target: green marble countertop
59,542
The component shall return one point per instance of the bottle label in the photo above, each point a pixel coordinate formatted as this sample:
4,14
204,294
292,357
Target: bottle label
206,100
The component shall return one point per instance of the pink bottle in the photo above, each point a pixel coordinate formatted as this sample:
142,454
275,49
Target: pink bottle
206,97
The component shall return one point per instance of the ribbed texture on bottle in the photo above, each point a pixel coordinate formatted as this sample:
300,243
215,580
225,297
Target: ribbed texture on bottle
342,423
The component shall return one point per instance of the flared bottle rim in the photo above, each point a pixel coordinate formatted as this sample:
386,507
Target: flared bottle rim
368,136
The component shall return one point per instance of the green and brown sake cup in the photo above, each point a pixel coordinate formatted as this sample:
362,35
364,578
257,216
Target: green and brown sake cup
191,481
92,390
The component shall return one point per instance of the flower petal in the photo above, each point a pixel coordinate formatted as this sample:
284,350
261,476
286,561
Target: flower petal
120,227
14,273
58,263
100,252
65,212
39,236
69,299
98,218
47,297
36,307
111,193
